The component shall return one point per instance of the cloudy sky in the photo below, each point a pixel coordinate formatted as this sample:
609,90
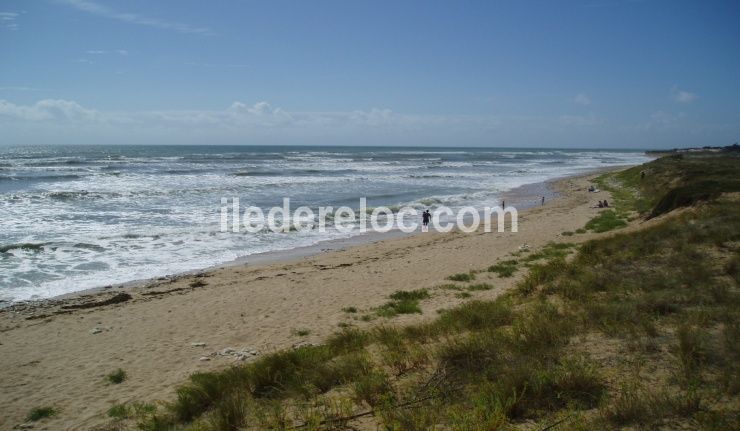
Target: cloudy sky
588,73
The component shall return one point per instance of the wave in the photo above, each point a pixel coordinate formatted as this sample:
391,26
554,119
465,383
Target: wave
37,247
430,176
256,174
83,194
30,246
91,247
68,177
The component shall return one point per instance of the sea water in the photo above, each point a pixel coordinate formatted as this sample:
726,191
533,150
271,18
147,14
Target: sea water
78,217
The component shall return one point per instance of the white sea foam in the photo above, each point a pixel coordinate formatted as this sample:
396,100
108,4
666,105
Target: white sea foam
83,217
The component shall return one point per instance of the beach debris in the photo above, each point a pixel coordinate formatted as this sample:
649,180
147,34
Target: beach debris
524,247
115,299
238,355
204,358
198,344
99,329
164,292
300,344
245,354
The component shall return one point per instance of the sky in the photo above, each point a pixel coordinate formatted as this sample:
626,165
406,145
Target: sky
567,74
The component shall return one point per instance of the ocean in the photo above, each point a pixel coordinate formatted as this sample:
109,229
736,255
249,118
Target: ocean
79,217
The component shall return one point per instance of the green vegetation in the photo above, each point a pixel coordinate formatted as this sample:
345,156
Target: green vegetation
301,332
468,287
672,182
606,221
116,377
504,269
410,295
553,250
637,330
132,410
39,413
118,411
478,287
463,276
403,302
351,310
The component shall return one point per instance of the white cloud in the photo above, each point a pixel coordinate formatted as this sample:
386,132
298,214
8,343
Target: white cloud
55,121
48,110
682,96
262,115
8,20
238,117
107,12
582,99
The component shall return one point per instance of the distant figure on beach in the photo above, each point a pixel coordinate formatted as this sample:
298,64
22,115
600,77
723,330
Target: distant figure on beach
543,200
591,188
503,204
606,204
642,175
601,204
425,217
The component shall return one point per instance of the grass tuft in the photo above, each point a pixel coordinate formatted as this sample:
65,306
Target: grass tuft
116,377
38,413
605,221
504,269
301,332
463,276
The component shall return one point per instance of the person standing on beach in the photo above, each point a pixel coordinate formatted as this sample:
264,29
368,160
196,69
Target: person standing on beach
425,216
543,200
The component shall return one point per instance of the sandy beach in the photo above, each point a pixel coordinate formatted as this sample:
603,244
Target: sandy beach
59,354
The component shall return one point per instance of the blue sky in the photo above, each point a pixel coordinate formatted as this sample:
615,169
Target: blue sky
589,73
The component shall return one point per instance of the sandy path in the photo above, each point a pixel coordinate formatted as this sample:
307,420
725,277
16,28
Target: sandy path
59,361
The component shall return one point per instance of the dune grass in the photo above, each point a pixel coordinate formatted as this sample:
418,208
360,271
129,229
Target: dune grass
38,413
463,276
116,377
504,269
576,344
403,302
606,220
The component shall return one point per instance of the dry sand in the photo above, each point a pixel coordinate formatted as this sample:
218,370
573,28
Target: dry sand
52,356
